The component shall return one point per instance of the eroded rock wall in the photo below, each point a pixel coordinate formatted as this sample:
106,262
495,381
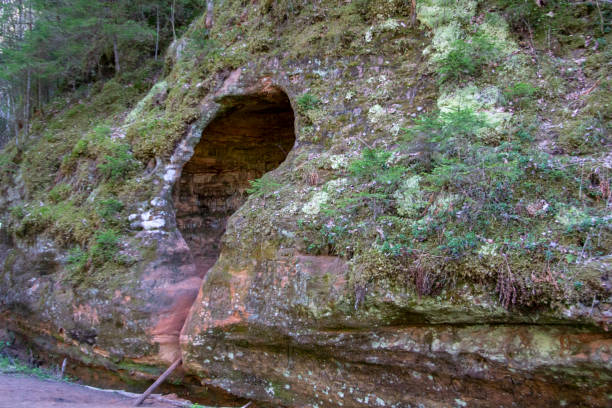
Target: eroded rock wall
251,138
295,338
284,316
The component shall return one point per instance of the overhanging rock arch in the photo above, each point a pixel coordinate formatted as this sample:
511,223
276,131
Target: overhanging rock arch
247,128
250,135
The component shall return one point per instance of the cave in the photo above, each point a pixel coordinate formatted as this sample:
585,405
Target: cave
250,136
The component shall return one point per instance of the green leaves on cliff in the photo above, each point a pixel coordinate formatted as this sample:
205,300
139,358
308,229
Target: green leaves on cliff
118,163
77,259
372,161
48,47
448,134
105,247
452,194
307,102
466,57
108,208
376,164
263,186
104,250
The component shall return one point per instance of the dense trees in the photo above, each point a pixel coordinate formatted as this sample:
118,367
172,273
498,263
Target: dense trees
47,46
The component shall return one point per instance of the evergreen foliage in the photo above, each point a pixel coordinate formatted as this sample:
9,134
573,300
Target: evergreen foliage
307,102
106,246
109,208
466,58
50,46
118,164
262,186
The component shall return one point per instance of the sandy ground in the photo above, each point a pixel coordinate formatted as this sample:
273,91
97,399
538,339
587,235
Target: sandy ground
18,391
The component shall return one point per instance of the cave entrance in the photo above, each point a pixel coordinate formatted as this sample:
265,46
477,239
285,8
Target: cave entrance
247,139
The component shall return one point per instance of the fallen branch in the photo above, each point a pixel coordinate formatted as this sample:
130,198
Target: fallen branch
156,384
364,142
588,91
157,397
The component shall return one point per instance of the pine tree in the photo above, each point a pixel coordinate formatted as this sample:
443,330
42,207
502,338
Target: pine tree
48,46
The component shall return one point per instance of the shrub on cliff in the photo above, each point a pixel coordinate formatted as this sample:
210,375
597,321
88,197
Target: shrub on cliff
467,57
118,164
262,186
105,247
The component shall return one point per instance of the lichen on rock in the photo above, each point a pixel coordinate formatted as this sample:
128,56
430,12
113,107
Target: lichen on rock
313,206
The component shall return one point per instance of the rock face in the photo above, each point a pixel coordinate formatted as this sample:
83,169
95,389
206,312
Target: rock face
292,338
277,325
241,144
254,303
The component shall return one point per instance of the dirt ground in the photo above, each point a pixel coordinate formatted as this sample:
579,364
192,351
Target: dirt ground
19,391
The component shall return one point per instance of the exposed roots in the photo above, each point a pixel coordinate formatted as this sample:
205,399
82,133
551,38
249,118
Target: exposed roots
508,286
426,280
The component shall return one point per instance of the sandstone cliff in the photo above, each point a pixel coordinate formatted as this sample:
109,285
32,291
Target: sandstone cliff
429,226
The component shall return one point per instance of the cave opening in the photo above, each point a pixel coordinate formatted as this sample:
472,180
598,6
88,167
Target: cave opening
252,135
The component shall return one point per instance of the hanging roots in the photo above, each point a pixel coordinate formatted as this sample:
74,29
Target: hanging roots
507,285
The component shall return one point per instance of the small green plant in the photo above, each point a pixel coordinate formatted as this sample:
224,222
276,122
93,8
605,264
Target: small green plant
106,246
449,134
374,165
118,164
457,246
202,41
17,212
307,102
457,63
77,259
520,94
466,58
393,248
459,122
80,148
109,208
263,186
101,132
59,192
371,162
524,132
520,90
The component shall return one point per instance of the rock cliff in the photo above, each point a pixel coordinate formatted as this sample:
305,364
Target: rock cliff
333,203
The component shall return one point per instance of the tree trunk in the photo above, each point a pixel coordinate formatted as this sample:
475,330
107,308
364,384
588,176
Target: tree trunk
9,114
15,120
116,52
26,109
172,19
157,32
40,96
209,14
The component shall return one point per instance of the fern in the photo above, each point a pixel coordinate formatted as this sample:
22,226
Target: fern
263,186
